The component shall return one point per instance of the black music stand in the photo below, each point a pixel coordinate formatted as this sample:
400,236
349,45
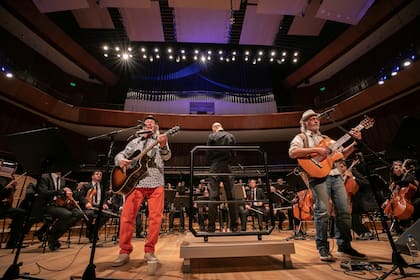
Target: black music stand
38,151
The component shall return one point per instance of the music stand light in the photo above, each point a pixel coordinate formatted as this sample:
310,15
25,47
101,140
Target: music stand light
38,151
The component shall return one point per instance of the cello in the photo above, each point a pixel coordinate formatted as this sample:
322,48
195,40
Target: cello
399,205
303,209
352,187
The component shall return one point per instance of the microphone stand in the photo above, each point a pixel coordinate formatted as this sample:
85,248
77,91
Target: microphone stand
397,259
90,272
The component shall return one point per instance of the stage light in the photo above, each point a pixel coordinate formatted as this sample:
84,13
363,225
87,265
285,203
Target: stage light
129,49
157,56
234,53
246,52
117,49
125,56
233,58
295,60
182,51
284,53
260,53
169,50
184,57
295,54
406,63
156,50
105,48
273,53
220,52
143,49
196,51
9,75
105,54
246,58
195,57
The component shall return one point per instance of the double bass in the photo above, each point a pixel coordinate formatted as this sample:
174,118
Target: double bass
303,209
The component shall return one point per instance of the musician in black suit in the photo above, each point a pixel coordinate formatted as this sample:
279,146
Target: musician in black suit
55,200
306,146
89,196
255,209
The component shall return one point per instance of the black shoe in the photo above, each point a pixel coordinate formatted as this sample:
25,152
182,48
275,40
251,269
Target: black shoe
14,246
325,255
351,252
211,229
53,244
366,236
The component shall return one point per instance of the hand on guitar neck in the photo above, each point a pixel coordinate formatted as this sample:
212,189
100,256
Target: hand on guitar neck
320,159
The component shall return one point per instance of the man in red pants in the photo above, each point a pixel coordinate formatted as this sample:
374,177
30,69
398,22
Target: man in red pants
150,186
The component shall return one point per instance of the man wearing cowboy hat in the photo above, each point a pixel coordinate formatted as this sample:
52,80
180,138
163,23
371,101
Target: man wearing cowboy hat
331,187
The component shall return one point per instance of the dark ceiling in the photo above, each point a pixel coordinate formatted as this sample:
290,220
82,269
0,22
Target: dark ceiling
79,29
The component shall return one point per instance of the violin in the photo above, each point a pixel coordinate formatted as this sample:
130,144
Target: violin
90,194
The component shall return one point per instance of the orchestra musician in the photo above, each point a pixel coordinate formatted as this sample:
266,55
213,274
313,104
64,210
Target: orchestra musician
89,196
255,209
283,190
56,200
150,186
305,145
404,187
362,201
7,189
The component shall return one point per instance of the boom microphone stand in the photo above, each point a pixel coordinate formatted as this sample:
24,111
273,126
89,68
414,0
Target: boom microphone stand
90,273
397,260
38,151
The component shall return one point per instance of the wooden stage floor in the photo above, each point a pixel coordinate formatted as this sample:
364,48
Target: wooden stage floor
68,262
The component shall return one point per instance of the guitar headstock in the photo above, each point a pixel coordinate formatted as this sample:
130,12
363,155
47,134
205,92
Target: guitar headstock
174,130
367,122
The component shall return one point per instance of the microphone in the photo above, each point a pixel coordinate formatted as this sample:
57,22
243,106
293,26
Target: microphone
138,133
241,167
326,113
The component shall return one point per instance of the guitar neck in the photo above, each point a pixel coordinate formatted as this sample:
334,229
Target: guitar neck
346,137
145,150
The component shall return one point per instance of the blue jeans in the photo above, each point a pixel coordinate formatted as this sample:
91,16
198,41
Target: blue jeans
322,190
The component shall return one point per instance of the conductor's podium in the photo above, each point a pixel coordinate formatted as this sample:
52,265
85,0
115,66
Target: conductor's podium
234,246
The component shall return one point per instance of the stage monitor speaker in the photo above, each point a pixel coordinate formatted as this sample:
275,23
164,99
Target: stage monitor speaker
414,230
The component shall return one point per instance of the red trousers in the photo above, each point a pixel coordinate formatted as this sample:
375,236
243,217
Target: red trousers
155,202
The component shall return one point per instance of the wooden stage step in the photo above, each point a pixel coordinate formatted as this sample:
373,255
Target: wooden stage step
234,246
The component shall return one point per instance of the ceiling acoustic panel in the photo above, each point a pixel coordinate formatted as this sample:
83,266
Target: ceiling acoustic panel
143,24
281,7
94,18
307,24
212,5
48,6
202,26
139,4
259,29
350,12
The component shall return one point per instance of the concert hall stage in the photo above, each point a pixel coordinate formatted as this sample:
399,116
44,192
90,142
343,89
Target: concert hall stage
72,261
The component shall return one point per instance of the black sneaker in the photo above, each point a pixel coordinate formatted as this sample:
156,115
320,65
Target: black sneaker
325,255
350,252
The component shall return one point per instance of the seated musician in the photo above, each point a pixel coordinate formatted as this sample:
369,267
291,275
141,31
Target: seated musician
283,195
361,202
178,209
7,189
255,209
90,197
56,200
401,179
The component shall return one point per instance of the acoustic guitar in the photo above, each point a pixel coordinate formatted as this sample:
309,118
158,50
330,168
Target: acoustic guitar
317,167
124,180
